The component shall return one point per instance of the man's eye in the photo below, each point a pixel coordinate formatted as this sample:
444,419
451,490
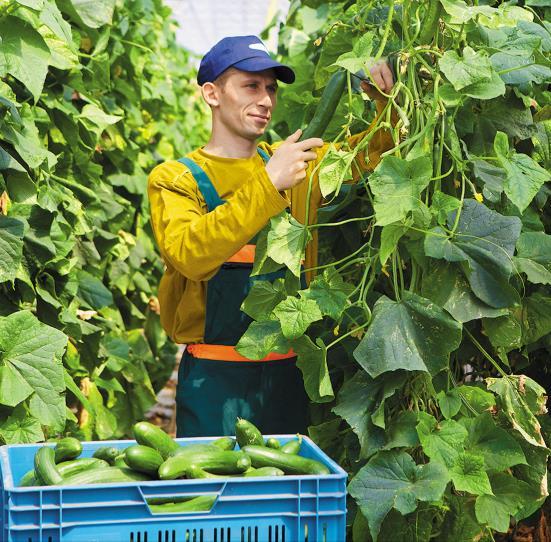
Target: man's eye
252,85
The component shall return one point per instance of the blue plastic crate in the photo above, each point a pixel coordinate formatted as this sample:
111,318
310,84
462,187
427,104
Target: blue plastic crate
279,509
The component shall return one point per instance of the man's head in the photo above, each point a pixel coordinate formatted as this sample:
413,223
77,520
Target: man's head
239,83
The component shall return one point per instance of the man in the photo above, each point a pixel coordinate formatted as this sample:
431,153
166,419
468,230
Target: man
206,211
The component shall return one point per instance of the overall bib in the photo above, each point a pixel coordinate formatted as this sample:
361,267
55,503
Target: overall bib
215,384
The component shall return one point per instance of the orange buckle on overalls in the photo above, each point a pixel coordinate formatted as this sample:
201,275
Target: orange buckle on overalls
222,352
244,255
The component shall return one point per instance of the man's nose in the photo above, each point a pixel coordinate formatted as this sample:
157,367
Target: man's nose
266,100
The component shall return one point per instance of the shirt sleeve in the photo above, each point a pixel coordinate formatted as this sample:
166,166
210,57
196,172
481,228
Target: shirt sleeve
196,242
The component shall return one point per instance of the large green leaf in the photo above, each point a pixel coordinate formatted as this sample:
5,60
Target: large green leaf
262,338
330,292
521,399
468,474
441,441
446,285
21,428
357,402
524,177
534,256
509,496
93,13
25,54
11,247
397,185
335,169
312,361
391,479
295,315
34,350
499,449
287,240
263,297
412,334
484,243
93,292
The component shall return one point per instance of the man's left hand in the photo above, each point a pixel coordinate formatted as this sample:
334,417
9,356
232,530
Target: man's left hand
382,77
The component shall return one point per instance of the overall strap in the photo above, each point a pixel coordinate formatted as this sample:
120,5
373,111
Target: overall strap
212,199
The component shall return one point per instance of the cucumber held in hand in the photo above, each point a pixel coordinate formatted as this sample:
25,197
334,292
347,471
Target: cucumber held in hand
45,467
67,448
150,435
327,105
288,463
247,433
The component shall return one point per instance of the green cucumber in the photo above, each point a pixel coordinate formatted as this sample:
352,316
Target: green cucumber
199,504
288,463
170,499
150,435
219,462
265,471
65,469
195,448
272,442
327,105
224,443
107,453
143,459
430,23
67,448
293,446
45,468
120,462
193,471
104,476
247,433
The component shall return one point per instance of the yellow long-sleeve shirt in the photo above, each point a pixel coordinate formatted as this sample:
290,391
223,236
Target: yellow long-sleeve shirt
194,243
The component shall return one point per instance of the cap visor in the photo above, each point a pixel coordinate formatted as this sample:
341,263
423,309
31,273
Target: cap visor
258,64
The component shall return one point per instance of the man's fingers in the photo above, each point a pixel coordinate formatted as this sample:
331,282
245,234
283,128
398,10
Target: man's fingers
377,77
293,138
310,143
388,78
308,156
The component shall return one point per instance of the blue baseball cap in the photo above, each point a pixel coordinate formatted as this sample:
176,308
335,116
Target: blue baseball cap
246,53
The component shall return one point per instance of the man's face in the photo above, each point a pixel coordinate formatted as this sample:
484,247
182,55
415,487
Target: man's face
246,101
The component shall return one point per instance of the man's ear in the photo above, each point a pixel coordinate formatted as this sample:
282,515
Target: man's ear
210,94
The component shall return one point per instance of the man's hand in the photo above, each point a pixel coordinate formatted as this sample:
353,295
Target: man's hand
382,77
287,166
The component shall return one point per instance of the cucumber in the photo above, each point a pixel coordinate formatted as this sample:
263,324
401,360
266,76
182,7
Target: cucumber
120,462
327,105
293,446
194,448
272,442
224,443
265,471
44,466
247,433
171,499
67,448
430,23
150,435
107,453
143,459
197,472
82,464
199,504
65,469
219,462
107,475
288,463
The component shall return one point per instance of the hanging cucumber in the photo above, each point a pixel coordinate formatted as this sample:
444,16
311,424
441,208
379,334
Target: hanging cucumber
430,23
327,105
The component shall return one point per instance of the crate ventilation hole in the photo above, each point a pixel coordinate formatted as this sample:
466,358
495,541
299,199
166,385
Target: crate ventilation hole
248,534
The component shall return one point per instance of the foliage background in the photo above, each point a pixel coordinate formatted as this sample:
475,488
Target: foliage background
92,97
427,330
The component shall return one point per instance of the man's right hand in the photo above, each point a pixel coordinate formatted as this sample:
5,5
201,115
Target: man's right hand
287,166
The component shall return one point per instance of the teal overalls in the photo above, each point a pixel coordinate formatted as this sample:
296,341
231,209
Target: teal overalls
212,393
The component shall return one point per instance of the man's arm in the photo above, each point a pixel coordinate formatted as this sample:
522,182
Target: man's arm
195,242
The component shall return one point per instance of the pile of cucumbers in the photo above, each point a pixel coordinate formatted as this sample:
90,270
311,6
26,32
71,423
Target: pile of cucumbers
156,456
